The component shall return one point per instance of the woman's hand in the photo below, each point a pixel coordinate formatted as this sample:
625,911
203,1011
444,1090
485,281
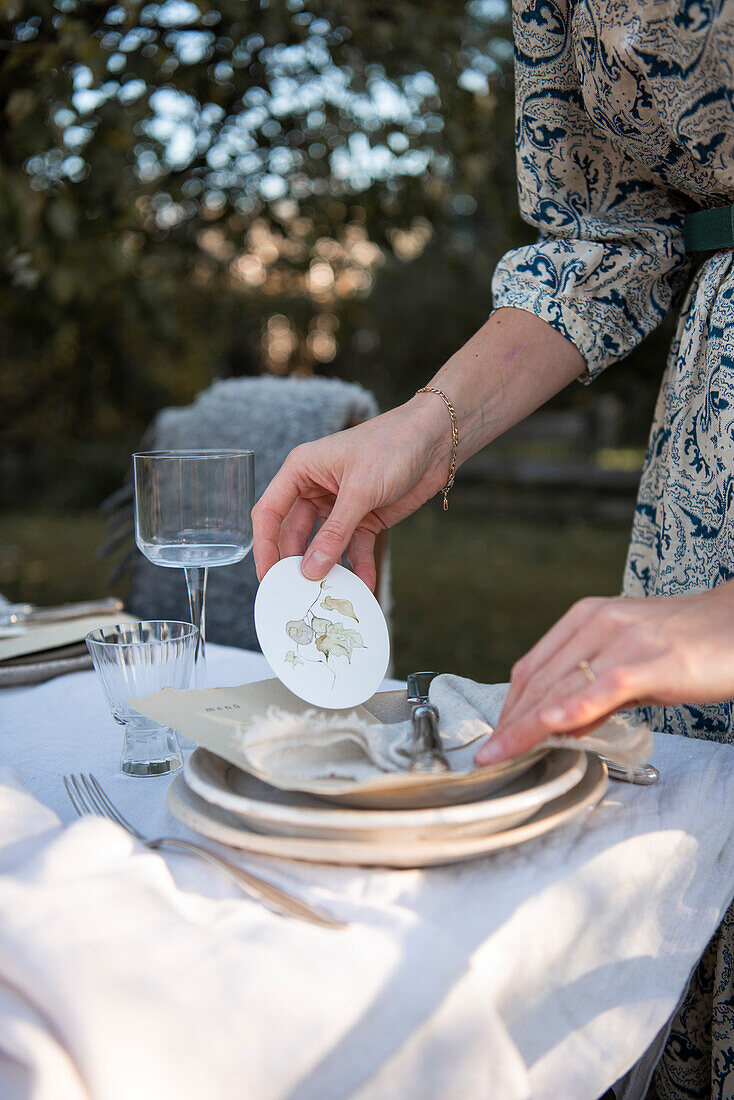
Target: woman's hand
370,477
661,650
358,482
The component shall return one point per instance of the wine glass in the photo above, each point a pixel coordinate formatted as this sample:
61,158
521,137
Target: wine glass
192,512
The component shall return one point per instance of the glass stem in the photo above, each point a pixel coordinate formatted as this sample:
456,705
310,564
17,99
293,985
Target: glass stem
196,584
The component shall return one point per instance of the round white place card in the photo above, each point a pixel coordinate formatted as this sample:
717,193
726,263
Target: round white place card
327,641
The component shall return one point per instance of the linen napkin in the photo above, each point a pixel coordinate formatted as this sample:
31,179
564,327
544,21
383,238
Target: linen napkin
115,984
289,750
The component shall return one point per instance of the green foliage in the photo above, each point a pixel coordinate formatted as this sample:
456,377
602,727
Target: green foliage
190,190
143,144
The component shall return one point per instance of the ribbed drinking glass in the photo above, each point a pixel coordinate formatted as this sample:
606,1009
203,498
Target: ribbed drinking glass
134,659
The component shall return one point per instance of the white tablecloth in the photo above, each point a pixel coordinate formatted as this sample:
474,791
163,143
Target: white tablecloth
541,972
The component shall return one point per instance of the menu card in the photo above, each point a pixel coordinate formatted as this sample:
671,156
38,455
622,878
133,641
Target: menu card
208,716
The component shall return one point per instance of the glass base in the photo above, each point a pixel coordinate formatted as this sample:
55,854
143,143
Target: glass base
150,752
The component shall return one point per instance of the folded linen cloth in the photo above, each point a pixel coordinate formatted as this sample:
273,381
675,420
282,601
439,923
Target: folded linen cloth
115,984
288,749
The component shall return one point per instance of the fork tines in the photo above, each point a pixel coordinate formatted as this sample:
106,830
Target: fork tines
87,797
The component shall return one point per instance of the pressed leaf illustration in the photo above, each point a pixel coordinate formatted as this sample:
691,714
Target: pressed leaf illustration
316,634
348,637
339,641
300,631
332,646
342,606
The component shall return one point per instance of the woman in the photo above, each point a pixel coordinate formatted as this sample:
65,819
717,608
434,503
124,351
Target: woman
625,126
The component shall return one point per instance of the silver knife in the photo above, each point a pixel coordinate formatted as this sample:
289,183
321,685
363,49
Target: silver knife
16,614
427,753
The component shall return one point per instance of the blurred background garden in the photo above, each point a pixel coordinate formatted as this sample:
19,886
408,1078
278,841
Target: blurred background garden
193,191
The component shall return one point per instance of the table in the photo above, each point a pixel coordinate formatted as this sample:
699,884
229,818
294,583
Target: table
543,972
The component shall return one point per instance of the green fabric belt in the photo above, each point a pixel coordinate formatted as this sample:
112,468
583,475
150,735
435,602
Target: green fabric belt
709,229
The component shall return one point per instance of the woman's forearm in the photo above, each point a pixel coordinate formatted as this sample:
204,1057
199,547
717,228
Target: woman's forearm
510,367
375,474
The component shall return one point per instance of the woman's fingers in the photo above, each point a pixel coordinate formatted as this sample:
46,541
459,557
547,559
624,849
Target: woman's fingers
506,752
268,515
335,533
550,645
361,555
584,708
297,528
574,707
584,645
284,518
593,626
527,728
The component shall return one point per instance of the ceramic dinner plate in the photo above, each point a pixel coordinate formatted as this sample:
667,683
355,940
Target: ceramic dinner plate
267,809
227,828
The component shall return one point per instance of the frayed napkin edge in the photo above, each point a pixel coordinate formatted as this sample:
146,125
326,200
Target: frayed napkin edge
291,724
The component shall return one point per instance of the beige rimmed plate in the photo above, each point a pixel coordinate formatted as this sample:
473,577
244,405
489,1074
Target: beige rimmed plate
413,791
267,809
220,825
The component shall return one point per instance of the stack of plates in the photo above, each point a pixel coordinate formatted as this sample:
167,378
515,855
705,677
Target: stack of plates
222,802
394,819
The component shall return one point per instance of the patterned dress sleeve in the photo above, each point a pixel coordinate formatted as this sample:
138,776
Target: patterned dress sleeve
609,258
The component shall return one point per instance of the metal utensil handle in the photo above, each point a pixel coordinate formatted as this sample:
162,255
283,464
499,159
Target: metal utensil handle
273,896
73,611
425,729
427,753
644,776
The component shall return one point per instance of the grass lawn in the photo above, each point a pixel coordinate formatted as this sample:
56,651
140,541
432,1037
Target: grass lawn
472,592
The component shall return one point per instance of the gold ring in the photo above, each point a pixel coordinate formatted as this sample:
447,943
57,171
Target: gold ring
587,671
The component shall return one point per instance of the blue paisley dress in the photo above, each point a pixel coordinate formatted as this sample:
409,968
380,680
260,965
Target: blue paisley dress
625,123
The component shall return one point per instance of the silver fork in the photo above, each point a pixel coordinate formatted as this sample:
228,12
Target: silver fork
87,797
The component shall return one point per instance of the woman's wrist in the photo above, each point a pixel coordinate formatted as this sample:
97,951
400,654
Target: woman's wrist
510,367
432,431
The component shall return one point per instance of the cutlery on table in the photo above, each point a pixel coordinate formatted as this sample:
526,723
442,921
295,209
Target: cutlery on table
87,797
17,613
427,753
642,776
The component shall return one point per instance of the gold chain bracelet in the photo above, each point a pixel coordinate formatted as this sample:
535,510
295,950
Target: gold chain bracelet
455,438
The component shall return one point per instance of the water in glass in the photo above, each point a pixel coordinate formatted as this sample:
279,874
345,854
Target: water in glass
192,512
